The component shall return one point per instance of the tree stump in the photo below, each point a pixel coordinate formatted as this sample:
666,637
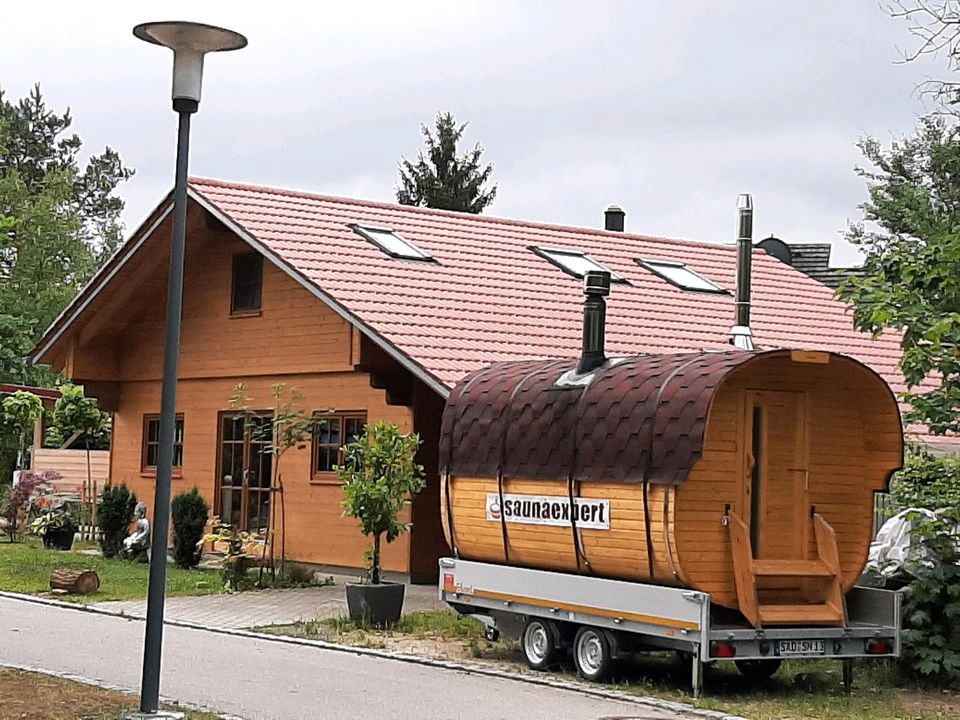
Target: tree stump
75,582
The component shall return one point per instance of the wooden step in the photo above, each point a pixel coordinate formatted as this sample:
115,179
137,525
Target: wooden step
790,568
800,615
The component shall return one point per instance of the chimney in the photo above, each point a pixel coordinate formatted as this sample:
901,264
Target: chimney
613,218
596,286
740,334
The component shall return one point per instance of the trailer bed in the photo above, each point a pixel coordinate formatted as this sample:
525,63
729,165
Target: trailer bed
638,616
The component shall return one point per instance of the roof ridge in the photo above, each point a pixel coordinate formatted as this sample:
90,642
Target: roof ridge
451,214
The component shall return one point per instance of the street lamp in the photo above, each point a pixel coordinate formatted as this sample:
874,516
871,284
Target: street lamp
189,42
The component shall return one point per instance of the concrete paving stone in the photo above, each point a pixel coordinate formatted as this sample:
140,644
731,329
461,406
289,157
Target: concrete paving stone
256,608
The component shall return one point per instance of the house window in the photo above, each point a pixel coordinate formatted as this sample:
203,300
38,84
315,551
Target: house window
151,443
680,275
574,262
330,433
391,242
247,283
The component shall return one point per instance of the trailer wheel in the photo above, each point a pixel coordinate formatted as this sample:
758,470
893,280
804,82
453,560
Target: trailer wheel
758,670
593,653
539,643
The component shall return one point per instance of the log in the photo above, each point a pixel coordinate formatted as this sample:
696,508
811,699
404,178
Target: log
75,582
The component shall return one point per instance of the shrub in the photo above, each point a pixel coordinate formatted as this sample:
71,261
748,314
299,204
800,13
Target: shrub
190,513
926,481
114,517
931,607
379,476
18,497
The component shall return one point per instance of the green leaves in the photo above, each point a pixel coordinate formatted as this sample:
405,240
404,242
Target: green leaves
443,179
910,236
378,477
931,606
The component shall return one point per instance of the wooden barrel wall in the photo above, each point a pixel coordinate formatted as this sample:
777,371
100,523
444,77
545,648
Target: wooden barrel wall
851,435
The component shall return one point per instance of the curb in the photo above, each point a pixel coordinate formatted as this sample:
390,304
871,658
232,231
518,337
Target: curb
115,688
470,668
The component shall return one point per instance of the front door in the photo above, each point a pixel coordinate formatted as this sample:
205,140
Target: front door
244,471
776,474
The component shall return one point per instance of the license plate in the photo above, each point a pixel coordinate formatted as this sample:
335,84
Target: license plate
785,648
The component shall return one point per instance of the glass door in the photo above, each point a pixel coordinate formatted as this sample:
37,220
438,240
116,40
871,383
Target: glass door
244,471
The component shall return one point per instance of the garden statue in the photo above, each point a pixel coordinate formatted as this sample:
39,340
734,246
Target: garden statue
136,546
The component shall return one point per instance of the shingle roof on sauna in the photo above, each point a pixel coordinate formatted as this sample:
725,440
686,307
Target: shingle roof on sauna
487,297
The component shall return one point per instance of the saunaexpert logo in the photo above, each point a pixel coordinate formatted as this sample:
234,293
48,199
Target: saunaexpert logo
549,510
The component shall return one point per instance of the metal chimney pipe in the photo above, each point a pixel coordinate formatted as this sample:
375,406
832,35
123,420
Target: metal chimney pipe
613,218
740,334
596,286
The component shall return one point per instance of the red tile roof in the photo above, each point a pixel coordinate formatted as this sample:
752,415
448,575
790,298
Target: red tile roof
489,298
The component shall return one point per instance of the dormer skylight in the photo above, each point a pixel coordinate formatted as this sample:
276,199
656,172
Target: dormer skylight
680,275
391,242
573,262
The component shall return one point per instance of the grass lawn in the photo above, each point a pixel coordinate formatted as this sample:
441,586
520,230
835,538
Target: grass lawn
800,690
25,568
34,696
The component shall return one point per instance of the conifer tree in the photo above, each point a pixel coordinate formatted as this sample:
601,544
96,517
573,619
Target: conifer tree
443,179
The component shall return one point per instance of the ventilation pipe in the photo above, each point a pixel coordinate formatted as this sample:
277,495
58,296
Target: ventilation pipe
613,218
596,286
740,334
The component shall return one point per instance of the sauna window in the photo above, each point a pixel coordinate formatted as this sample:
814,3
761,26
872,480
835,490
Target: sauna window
391,242
676,273
151,443
574,262
247,290
331,431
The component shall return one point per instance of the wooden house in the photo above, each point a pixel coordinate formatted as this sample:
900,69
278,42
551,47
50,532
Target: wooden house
375,312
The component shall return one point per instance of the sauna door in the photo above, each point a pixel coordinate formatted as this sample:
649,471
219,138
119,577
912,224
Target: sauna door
776,478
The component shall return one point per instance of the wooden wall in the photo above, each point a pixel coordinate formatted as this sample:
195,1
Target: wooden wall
72,465
295,339
316,530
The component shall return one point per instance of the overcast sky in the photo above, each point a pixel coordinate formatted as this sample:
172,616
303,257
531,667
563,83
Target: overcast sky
669,109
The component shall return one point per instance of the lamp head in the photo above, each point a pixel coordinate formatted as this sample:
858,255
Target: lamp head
189,42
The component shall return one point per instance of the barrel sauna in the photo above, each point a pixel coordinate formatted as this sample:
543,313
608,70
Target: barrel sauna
746,475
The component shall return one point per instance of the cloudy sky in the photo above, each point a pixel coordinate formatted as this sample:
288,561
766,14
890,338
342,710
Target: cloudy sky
667,108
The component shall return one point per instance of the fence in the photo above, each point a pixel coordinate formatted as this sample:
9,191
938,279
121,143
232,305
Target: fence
883,510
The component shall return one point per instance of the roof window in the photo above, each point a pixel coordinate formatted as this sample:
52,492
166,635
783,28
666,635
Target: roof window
680,275
574,262
391,242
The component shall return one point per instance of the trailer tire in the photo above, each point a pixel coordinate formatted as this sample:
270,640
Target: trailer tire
593,653
758,670
539,643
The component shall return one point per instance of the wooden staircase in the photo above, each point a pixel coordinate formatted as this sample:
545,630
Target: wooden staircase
818,581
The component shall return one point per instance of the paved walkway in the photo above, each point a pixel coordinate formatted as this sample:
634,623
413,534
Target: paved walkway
256,678
267,607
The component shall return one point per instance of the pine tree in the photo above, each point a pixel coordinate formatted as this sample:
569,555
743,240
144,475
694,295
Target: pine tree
441,179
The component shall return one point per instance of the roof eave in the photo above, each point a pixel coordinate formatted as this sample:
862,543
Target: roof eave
65,319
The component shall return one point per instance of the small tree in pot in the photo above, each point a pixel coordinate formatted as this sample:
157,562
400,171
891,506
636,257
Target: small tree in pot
379,477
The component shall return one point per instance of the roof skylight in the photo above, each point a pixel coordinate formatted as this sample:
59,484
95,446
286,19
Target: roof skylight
391,242
680,275
574,262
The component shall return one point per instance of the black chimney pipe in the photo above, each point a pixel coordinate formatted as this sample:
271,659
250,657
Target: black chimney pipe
613,218
741,335
596,286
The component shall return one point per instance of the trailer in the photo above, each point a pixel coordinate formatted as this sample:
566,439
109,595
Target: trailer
601,620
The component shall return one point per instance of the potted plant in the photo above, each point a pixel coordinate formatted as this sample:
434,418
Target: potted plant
54,525
379,477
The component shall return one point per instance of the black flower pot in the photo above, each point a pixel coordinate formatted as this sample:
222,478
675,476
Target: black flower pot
378,605
60,539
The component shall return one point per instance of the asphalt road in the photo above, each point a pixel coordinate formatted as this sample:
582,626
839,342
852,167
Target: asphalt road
255,678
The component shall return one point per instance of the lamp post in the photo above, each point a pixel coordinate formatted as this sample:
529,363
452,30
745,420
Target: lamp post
189,42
